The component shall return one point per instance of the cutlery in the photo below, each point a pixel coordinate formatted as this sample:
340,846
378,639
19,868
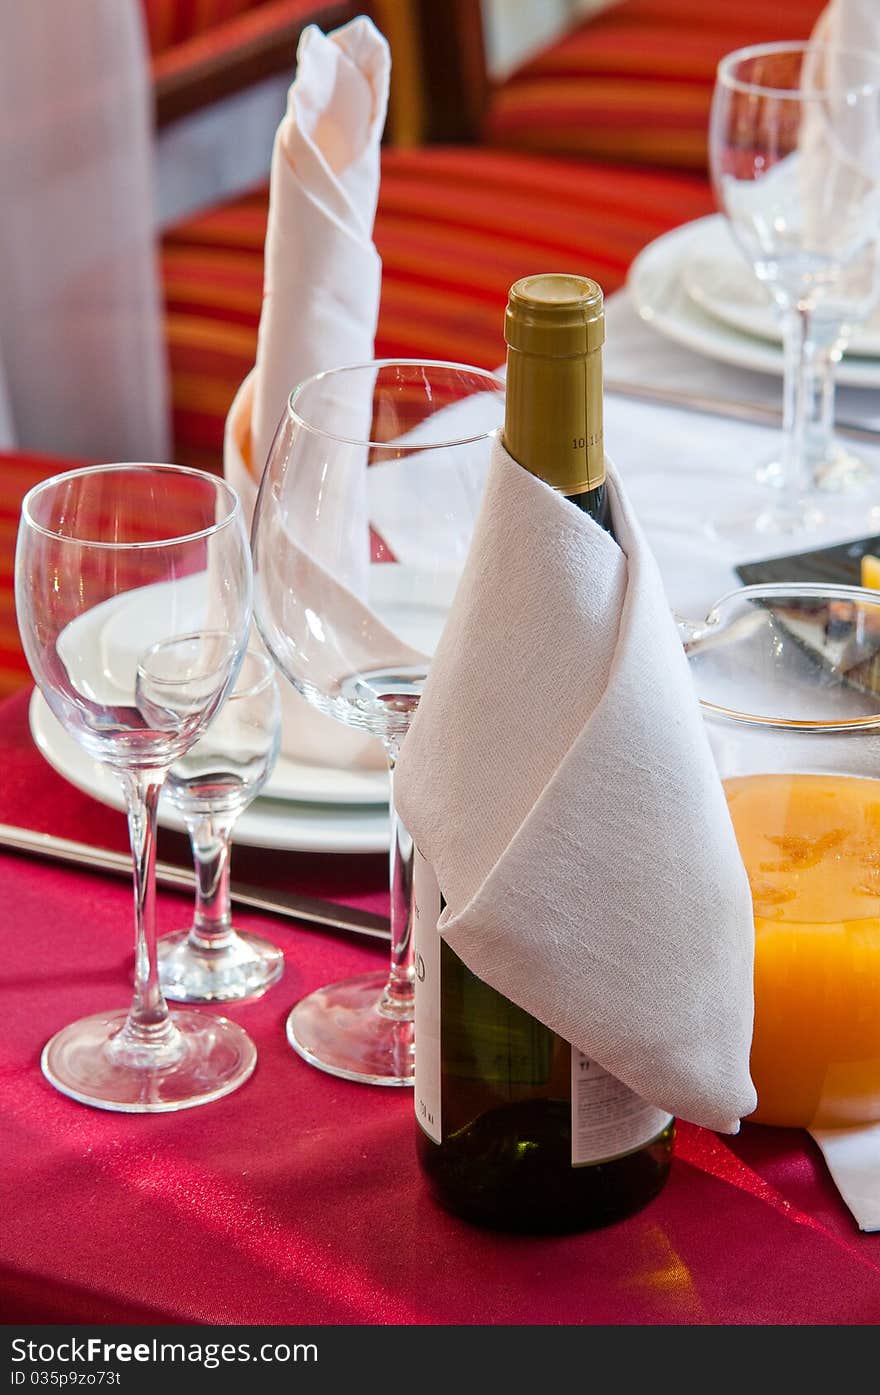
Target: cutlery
758,413
284,903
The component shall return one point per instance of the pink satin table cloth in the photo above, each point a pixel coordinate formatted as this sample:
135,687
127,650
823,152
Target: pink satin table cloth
297,1199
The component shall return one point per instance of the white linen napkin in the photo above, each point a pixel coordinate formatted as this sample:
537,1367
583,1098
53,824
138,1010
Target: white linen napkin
322,279
852,1156
322,273
558,778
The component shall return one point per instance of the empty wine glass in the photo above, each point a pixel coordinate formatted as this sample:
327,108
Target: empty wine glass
794,153
133,591
363,521
211,785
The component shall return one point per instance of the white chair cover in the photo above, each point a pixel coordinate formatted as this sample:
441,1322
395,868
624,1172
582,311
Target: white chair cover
81,346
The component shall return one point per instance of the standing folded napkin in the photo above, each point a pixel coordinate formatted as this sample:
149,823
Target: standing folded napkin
576,822
322,273
322,279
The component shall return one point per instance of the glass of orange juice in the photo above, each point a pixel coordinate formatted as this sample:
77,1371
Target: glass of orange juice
788,678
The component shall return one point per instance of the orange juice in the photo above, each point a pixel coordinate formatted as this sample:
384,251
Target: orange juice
811,847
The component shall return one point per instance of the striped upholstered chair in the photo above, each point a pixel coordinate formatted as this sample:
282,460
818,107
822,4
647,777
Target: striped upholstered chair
205,50
571,162
579,158
633,83
456,224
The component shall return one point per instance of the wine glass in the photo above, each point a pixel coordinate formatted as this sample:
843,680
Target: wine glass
211,785
133,591
363,520
794,154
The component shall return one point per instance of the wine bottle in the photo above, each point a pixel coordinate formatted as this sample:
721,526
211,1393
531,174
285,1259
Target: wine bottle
517,1129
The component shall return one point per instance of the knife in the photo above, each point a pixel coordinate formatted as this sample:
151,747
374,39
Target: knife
758,413
284,903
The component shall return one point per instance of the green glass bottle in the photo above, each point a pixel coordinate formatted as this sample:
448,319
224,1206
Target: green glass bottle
519,1130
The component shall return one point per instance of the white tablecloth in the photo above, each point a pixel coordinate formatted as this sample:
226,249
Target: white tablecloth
682,469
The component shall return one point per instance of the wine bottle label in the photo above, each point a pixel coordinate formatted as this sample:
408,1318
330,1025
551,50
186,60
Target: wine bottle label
426,943
607,1118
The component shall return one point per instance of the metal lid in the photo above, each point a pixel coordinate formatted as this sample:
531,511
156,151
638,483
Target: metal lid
556,314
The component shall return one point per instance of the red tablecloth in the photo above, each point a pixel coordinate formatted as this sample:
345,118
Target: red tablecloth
297,1198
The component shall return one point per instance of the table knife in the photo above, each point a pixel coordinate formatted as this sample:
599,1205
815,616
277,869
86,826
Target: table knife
284,903
757,413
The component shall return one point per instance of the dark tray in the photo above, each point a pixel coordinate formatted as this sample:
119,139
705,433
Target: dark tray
840,564
835,642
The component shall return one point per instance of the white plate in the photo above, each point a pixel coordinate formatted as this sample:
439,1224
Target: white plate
268,823
123,625
719,279
304,783
656,285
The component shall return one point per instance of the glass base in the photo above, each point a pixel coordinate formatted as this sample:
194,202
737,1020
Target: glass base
844,473
341,1030
768,522
243,967
211,1057
841,472
773,525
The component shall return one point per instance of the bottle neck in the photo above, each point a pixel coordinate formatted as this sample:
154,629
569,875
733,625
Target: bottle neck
553,418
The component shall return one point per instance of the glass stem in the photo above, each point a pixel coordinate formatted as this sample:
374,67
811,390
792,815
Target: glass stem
398,998
149,1036
212,920
827,378
829,339
799,407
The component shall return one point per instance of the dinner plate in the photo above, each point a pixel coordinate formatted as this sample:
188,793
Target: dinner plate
719,279
268,823
120,628
656,283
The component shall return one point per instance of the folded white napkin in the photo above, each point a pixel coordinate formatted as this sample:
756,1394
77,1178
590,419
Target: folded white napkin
558,778
322,273
852,1156
322,279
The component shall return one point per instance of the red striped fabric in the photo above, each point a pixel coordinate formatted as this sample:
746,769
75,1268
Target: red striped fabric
171,22
18,473
634,83
454,228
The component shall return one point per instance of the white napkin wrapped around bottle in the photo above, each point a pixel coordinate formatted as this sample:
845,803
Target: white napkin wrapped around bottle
558,778
322,280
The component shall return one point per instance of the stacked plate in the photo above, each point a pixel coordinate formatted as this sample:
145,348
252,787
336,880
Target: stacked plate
303,808
695,286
